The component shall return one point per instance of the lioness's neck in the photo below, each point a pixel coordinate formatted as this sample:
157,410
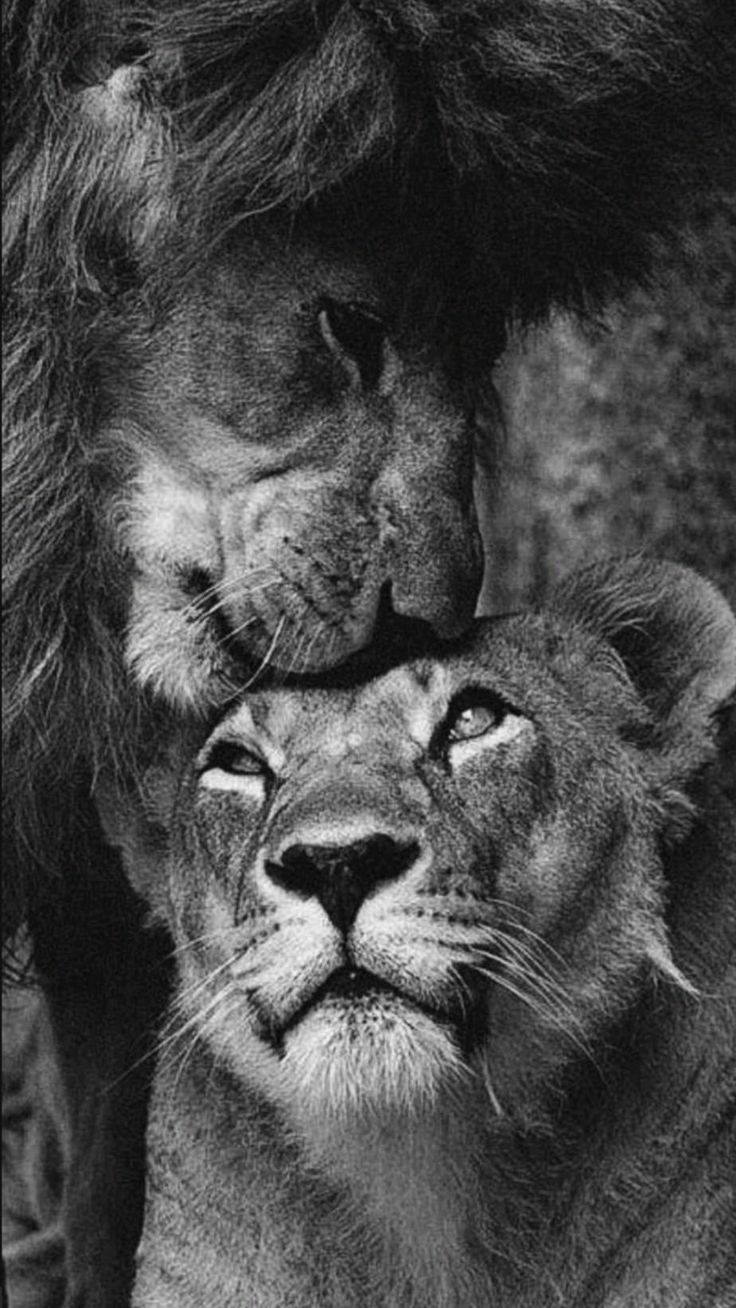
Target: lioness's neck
423,1187
399,1214
455,1209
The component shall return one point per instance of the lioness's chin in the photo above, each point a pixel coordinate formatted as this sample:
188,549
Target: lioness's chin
348,1060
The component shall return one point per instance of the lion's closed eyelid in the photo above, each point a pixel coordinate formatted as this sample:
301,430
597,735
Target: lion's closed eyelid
354,333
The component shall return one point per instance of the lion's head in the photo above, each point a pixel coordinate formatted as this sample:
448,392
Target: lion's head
453,873
290,464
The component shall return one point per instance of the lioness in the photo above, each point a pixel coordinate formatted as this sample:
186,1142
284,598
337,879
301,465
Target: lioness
455,1011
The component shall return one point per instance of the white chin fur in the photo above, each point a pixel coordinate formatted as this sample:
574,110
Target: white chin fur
341,1063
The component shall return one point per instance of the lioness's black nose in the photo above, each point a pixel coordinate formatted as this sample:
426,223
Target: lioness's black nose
341,876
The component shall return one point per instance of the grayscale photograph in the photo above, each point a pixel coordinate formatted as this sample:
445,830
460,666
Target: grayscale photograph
369,654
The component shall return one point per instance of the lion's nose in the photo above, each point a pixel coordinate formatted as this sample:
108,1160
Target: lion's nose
342,876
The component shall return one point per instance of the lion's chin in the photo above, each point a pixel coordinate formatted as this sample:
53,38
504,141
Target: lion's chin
379,1057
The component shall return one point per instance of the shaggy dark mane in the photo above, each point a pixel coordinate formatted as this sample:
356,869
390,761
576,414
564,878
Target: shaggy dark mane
549,141
513,155
70,214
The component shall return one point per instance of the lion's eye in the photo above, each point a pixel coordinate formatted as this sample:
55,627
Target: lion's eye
475,720
354,331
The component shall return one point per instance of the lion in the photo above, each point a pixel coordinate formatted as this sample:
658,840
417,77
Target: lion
456,970
224,231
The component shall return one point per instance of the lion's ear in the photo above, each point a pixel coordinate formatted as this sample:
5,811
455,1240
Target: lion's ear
675,634
129,144
89,196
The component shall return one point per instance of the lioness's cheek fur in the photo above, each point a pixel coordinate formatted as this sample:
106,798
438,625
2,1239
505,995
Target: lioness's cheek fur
447,1036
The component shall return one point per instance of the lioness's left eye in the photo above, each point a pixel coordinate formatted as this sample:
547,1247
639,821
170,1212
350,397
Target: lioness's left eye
475,720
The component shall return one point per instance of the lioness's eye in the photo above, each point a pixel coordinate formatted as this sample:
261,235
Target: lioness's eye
232,766
245,764
231,757
475,720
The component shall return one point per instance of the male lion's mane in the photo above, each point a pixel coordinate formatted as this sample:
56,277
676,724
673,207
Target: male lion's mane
513,155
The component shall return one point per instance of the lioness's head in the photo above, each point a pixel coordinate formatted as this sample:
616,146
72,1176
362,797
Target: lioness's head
449,880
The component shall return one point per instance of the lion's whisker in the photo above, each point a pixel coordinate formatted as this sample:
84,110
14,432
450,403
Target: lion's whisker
243,626
239,585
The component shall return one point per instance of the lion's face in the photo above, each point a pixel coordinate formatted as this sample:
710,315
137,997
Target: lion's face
290,468
445,881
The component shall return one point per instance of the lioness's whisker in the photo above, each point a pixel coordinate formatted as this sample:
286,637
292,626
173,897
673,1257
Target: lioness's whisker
527,954
528,966
537,996
169,1042
527,998
207,938
187,994
495,1102
543,944
170,1033
201,1033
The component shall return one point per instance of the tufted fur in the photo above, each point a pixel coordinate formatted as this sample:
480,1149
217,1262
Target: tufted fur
541,1107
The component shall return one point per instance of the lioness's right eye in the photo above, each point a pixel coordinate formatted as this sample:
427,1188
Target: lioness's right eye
228,756
232,766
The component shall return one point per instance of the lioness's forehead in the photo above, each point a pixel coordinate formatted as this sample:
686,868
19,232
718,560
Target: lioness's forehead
407,701
403,699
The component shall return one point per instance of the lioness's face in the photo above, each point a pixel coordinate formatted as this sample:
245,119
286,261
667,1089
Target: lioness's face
445,875
291,466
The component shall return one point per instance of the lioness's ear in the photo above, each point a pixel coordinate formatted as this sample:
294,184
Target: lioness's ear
676,636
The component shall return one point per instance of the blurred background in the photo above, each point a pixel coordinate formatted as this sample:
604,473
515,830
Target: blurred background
621,435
